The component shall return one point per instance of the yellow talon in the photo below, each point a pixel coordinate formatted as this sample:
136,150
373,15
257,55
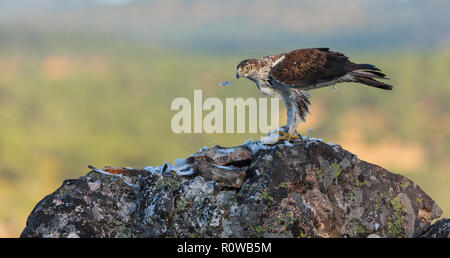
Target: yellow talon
288,137
281,133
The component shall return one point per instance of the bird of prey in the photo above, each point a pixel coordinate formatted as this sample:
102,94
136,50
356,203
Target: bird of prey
291,75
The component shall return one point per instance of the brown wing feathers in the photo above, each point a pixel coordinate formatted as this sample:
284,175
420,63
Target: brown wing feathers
304,67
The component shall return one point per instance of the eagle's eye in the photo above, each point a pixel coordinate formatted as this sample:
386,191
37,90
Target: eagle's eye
249,67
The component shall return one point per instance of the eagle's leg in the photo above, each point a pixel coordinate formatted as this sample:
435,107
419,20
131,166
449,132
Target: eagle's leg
297,106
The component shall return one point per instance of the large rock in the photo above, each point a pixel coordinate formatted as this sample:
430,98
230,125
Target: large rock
304,189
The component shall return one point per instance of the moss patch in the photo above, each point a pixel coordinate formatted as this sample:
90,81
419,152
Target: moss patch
266,196
405,184
395,226
318,172
363,183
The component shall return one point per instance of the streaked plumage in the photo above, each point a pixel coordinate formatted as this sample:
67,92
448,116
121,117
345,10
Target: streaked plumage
292,74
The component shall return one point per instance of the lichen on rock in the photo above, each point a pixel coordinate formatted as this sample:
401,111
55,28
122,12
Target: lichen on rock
306,188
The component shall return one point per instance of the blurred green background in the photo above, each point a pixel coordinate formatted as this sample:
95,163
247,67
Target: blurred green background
91,82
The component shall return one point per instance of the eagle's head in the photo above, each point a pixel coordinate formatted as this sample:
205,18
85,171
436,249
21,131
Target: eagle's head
248,68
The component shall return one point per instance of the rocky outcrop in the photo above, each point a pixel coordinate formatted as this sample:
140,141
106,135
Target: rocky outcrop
302,189
440,229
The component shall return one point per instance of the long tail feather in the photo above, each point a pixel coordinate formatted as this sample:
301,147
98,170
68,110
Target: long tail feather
373,83
367,66
369,74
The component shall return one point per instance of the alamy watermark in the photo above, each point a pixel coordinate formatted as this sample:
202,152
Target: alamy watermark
236,115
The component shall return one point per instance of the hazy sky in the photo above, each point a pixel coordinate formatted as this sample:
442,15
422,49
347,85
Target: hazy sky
230,25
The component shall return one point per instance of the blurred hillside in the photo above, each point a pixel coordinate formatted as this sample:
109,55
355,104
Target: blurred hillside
91,82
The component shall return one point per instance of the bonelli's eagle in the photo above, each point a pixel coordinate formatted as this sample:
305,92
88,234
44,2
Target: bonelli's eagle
293,74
